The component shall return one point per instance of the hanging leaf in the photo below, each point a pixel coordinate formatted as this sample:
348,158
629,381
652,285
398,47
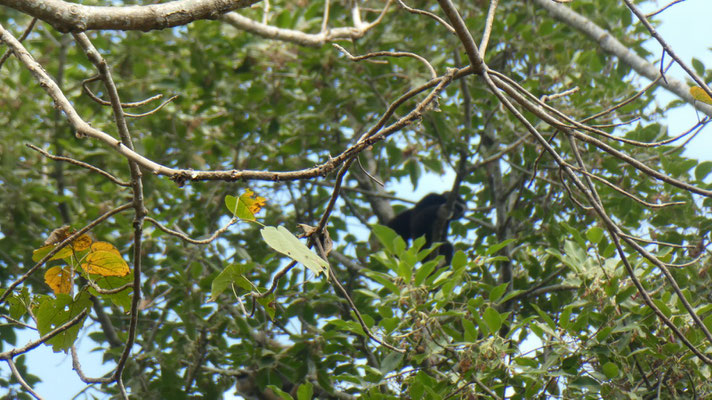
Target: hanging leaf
105,260
700,95
104,246
53,313
59,279
246,206
284,242
232,274
81,243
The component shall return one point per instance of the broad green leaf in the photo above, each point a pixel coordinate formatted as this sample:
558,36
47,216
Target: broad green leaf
497,292
493,320
703,169
470,331
305,391
611,370
232,274
53,313
121,299
498,246
286,243
698,66
594,234
385,235
279,392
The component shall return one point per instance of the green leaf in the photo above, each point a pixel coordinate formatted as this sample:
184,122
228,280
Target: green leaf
544,316
703,169
594,234
391,362
305,391
663,307
386,236
268,303
53,313
246,206
470,330
611,370
497,247
286,243
232,274
424,271
497,292
698,66
279,392
493,320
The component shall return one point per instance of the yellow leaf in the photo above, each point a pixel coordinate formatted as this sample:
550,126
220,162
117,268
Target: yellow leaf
700,95
253,203
59,279
246,206
105,262
81,243
104,246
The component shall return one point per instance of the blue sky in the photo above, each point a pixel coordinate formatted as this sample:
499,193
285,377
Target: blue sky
685,27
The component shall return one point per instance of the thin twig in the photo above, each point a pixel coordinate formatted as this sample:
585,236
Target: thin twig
80,164
187,238
654,13
625,193
433,74
101,290
427,14
103,102
275,281
488,27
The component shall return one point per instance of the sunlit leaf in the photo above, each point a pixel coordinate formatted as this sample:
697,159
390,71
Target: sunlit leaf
700,95
246,206
286,243
42,251
104,246
105,263
59,279
81,243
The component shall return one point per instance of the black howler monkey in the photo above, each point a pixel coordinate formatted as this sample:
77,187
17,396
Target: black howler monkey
421,220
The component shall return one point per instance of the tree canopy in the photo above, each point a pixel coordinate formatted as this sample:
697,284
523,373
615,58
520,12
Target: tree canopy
201,187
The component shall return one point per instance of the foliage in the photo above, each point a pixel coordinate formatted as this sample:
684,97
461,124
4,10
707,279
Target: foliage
546,296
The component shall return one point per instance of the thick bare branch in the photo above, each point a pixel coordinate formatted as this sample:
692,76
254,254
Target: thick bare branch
72,17
298,37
